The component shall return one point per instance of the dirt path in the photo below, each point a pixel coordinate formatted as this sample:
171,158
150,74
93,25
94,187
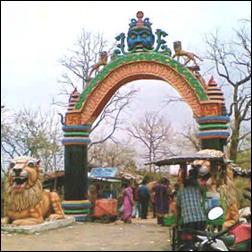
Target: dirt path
141,235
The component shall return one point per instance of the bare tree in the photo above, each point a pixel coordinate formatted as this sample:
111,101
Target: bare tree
78,65
111,115
80,59
233,64
190,139
112,154
245,142
33,133
155,134
173,99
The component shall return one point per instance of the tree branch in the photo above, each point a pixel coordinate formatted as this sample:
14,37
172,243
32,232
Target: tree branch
245,111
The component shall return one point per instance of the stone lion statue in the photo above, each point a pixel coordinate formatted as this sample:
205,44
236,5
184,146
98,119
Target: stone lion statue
26,203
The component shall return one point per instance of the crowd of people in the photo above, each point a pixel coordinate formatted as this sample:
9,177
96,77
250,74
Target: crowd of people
137,199
185,201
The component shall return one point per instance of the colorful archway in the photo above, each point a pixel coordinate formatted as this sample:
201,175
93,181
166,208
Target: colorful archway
141,61
135,67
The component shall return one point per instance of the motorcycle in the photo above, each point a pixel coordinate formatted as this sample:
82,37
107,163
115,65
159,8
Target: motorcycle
235,238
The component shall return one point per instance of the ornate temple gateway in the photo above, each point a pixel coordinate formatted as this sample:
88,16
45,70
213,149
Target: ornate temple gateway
147,57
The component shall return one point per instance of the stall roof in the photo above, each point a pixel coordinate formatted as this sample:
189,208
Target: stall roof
104,172
106,179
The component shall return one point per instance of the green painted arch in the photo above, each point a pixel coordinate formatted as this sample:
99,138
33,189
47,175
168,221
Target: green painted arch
149,57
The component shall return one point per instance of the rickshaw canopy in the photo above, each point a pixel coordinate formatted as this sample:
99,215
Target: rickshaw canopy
210,155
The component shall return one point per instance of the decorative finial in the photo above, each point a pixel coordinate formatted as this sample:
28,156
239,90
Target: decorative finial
212,81
73,99
215,94
140,22
140,14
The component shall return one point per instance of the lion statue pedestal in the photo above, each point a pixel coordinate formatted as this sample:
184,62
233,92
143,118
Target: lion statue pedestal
26,203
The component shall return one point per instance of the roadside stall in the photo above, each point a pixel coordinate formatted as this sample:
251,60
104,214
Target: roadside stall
104,190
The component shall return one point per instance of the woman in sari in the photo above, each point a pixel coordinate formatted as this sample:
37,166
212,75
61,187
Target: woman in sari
128,202
162,199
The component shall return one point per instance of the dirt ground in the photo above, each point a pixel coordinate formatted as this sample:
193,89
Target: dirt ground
141,235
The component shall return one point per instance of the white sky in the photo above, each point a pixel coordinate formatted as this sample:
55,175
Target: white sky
35,35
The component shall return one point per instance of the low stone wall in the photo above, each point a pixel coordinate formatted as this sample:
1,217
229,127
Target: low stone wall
31,229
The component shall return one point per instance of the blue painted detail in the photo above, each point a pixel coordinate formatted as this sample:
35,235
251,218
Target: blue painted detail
82,218
217,133
140,38
70,140
213,119
80,206
85,128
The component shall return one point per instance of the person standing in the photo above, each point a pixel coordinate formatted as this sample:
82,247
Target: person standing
92,197
144,197
136,200
190,205
153,202
151,187
162,199
128,203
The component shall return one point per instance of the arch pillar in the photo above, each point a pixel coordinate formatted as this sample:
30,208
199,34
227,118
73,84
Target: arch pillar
213,132
213,122
76,139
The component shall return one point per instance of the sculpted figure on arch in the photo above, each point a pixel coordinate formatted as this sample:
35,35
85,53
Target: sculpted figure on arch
103,60
188,56
140,34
